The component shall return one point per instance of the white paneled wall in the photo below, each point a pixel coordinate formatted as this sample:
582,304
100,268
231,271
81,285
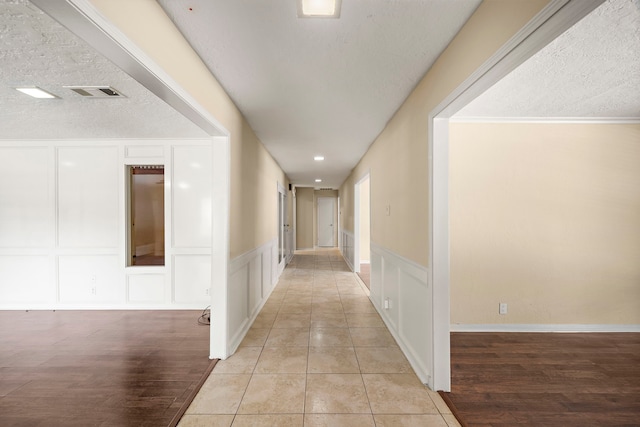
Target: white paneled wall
251,279
346,247
401,293
63,225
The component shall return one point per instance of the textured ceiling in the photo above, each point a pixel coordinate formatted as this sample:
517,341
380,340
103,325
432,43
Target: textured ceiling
592,71
318,86
36,50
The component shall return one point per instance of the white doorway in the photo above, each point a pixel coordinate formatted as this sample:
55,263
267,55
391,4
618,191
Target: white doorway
362,229
282,228
326,220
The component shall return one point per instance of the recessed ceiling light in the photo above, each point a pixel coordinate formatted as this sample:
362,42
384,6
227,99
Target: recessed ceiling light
318,158
318,180
36,92
319,8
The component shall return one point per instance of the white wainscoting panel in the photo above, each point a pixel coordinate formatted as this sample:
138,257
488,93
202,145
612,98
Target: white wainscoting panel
145,288
347,248
88,189
90,279
404,286
137,151
250,285
191,191
25,279
25,201
192,279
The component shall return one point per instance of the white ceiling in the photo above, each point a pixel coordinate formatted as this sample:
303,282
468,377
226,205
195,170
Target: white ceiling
36,50
310,86
592,71
319,86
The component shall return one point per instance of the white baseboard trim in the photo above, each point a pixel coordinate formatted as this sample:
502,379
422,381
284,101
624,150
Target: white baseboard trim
543,328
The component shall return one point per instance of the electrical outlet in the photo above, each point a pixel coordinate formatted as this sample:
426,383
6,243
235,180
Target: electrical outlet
206,292
93,278
94,290
388,209
502,308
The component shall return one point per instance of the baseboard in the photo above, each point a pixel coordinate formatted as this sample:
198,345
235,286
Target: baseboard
543,328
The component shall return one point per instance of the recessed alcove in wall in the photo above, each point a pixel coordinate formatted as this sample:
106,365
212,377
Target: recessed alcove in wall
145,237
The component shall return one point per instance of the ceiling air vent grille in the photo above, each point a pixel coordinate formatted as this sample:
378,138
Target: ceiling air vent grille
96,91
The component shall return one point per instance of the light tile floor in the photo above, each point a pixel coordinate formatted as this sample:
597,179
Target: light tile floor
318,354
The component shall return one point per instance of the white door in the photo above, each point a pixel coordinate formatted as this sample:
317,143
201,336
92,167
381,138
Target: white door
326,208
282,228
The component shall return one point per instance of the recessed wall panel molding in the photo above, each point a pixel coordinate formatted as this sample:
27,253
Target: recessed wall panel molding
191,192
401,293
192,279
25,280
25,202
88,202
141,151
90,279
347,248
145,288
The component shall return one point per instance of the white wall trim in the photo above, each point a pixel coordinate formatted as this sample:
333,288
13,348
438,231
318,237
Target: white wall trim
555,18
559,120
252,278
347,247
404,285
82,18
458,327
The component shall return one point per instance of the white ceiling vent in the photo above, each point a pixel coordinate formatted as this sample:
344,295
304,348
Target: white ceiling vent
96,91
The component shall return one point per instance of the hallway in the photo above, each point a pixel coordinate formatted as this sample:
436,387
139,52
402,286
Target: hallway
318,354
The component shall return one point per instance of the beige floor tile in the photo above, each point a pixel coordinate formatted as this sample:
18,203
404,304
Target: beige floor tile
264,320
338,420
382,360
326,298
410,421
451,420
288,337
255,337
283,360
336,394
321,337
220,394
274,394
358,307
297,299
294,307
398,394
271,306
243,361
332,360
328,320
364,320
206,421
327,307
292,320
350,289
285,420
440,404
372,337
331,292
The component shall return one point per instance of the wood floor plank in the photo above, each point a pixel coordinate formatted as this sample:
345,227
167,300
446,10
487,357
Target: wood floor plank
99,368
506,379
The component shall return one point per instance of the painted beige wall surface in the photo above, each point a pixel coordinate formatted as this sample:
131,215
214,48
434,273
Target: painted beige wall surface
398,158
545,217
254,173
304,218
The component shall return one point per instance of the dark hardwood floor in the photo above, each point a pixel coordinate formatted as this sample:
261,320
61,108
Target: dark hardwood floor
545,379
99,368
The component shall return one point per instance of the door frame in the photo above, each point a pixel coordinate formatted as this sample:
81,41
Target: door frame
333,220
356,219
281,227
82,18
554,19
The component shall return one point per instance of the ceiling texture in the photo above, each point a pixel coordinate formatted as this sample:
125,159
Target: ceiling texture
311,86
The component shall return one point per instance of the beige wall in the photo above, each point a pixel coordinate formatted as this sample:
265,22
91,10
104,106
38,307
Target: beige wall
304,218
254,173
397,160
545,217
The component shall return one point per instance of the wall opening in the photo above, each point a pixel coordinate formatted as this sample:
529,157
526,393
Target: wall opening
145,237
